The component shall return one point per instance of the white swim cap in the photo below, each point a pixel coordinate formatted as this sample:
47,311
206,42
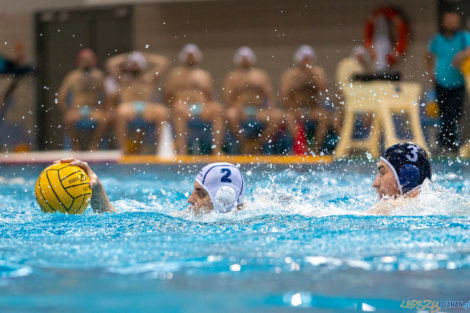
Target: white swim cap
190,48
225,185
138,58
244,52
304,51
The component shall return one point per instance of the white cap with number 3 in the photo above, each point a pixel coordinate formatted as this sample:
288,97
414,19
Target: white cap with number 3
225,185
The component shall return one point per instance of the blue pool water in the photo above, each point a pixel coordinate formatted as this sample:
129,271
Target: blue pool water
303,243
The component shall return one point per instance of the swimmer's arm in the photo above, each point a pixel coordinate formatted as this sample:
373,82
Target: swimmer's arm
158,65
204,84
286,91
379,209
320,133
114,64
320,79
386,207
62,94
170,85
268,90
99,200
207,87
228,90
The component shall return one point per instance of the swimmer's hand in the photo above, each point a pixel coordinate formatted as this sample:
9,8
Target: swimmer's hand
99,200
381,208
386,207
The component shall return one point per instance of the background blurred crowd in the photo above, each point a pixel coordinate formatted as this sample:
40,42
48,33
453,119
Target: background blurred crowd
250,119
142,102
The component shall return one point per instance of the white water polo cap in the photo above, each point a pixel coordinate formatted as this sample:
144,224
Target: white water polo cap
225,185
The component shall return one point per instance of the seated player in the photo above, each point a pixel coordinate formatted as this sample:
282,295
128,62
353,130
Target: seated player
402,170
218,187
198,119
81,99
251,113
137,75
302,91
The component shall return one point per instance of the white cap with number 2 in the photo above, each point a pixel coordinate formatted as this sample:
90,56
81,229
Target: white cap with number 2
225,185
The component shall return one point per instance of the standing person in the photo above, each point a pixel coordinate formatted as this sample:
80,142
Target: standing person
194,109
82,100
248,95
447,51
302,91
137,75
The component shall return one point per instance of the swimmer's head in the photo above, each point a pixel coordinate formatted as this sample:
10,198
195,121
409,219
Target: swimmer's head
219,187
402,168
86,59
136,62
244,57
305,55
190,54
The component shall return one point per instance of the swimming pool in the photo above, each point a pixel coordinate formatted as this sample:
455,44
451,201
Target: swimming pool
303,242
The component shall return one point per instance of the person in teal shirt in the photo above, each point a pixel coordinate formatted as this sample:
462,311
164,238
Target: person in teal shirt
447,51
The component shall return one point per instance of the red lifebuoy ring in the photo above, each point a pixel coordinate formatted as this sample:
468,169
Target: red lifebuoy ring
395,18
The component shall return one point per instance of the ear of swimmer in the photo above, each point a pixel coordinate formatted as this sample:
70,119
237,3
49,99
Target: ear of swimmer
224,199
409,176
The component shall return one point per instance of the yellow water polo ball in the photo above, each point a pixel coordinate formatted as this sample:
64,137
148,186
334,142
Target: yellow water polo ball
64,188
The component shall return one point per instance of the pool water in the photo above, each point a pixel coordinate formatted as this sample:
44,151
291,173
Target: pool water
303,243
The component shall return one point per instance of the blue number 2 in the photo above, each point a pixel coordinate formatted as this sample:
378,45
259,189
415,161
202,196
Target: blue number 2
225,178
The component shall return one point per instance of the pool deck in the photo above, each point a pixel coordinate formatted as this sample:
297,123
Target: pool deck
115,157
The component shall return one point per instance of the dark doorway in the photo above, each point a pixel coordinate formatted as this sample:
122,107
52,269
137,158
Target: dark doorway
60,35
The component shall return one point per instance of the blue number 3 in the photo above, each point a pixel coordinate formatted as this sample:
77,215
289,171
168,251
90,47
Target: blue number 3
225,178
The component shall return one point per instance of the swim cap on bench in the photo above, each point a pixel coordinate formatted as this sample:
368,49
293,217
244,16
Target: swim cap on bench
225,185
409,163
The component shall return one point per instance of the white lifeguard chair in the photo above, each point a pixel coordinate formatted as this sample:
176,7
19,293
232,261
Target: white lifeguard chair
382,99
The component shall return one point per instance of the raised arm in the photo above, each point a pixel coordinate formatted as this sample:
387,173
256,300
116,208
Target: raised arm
115,63
158,65
99,200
